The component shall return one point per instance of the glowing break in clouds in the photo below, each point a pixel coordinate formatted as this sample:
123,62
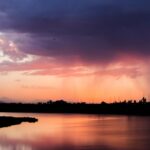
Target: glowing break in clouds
9,52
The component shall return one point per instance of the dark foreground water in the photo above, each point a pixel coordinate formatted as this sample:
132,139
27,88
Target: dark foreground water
77,132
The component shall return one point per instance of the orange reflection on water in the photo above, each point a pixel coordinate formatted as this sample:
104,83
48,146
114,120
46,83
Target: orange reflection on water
75,132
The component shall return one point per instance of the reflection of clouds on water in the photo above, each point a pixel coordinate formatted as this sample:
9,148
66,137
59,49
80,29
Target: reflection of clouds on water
11,144
15,147
77,132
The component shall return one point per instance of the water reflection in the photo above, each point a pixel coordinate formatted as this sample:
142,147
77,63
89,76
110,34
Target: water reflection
78,132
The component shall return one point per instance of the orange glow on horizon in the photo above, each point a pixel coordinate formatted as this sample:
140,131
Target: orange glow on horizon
89,89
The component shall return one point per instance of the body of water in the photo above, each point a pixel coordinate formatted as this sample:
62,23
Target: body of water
77,132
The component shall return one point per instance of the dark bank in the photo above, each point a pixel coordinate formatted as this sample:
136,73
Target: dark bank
130,107
9,121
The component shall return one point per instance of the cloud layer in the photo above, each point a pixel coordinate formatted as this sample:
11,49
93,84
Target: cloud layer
90,31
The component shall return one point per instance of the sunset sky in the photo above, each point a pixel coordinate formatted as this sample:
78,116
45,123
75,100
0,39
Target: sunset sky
77,50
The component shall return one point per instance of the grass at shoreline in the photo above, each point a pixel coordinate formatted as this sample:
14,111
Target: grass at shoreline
6,121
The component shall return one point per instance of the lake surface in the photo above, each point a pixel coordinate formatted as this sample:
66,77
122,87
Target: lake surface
77,132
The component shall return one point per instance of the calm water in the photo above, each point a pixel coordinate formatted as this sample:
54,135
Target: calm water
77,132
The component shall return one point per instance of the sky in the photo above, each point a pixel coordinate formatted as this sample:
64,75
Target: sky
77,50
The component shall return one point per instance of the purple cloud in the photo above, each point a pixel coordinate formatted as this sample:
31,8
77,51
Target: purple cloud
90,31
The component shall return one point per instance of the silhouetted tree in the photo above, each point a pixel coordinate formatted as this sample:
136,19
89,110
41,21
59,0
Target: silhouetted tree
143,100
50,102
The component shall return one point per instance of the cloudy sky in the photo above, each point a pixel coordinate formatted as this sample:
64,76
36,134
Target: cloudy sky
79,50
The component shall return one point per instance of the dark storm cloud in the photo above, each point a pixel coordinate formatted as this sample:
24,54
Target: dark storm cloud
90,30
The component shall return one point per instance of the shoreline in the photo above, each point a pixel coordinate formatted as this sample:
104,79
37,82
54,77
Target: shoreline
129,108
75,113
6,121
